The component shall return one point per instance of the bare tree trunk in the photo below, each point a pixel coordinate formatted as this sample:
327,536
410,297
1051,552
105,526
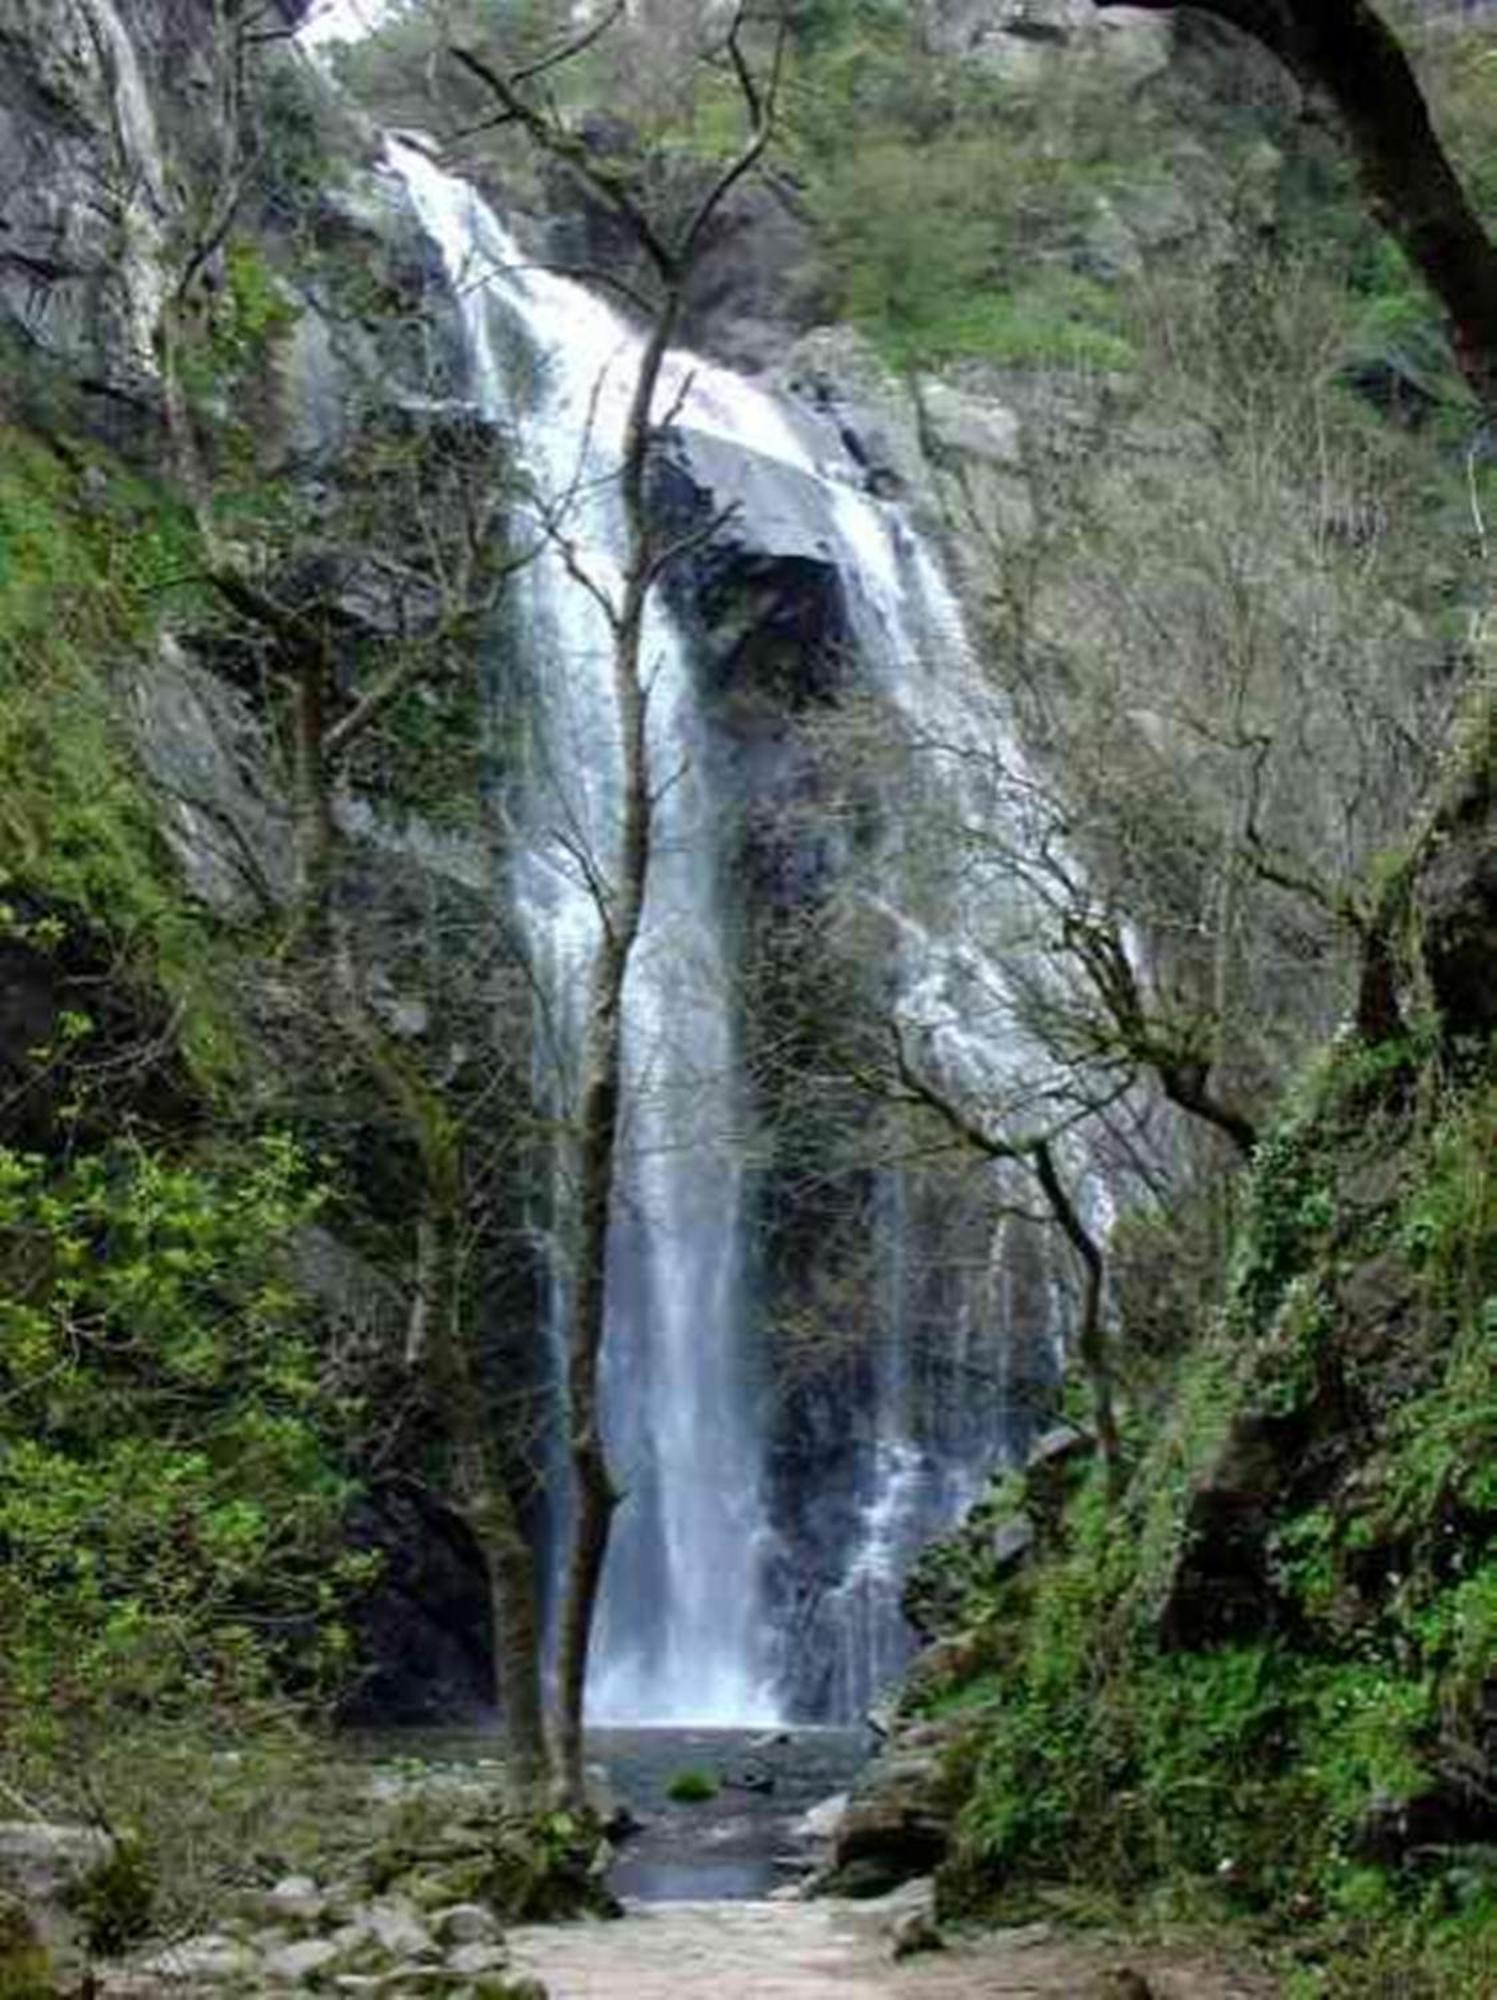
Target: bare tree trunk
1091,1334
1151,1041
595,1497
622,886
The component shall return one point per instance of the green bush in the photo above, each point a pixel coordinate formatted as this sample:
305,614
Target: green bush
116,1899
692,1788
24,1970
170,1494
92,555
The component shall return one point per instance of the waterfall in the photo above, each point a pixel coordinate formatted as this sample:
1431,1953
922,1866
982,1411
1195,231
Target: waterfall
682,1628
687,1632
138,189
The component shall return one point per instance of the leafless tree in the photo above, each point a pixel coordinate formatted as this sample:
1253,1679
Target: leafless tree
522,98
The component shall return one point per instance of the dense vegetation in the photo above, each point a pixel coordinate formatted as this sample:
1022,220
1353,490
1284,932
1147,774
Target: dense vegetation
1268,1696
1248,1675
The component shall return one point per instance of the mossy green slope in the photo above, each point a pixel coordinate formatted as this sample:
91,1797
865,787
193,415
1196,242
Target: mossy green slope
1267,1675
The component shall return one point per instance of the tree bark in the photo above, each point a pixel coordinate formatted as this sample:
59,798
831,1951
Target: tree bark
621,887
1091,1334
595,1496
1146,1039
437,1338
1343,50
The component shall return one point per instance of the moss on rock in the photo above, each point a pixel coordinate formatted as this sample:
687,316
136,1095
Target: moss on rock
1271,1672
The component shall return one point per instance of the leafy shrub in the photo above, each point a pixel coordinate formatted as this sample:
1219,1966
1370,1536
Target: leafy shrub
116,1898
169,1495
1268,1773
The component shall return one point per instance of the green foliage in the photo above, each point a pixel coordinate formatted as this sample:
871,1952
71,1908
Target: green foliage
115,1900
692,1788
396,69
169,1497
441,1847
226,372
949,226
204,1810
296,113
91,554
1260,1769
24,1970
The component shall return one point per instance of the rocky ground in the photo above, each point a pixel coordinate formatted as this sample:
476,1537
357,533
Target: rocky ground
443,1892
418,1887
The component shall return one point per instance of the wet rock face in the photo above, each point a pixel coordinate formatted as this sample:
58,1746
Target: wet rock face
97,97
897,1824
756,283
424,1628
1023,39
43,1868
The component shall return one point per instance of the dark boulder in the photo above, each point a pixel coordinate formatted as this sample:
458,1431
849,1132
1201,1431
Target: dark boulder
898,1822
1458,904
423,1630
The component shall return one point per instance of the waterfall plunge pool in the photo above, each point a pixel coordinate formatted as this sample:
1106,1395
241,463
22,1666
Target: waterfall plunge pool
736,1846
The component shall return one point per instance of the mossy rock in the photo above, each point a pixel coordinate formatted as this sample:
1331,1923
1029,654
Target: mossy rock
524,1870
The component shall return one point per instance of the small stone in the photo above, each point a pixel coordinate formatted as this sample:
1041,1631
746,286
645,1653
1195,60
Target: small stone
39,1861
1024,1937
1123,1983
399,1931
1011,1544
300,1960
408,1979
914,1932
468,1960
822,1821
207,1960
465,1923
752,1778
296,1899
294,1888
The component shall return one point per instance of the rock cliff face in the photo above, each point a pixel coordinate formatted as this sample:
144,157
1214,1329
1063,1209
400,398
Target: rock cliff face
317,341
117,121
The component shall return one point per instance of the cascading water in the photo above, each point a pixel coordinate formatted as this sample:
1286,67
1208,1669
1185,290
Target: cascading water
686,1631
681,1635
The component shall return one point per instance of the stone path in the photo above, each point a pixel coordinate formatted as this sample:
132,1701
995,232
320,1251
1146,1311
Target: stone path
841,1951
